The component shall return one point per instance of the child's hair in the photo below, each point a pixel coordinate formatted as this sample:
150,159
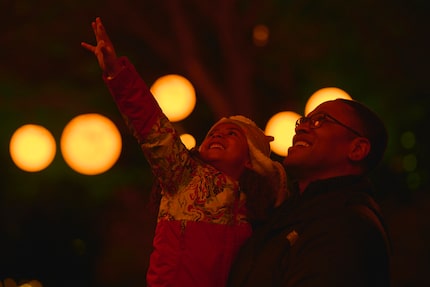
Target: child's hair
260,196
154,199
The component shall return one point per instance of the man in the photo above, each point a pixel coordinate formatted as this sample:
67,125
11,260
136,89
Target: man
329,232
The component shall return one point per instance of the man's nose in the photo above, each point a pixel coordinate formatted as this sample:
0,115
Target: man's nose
302,127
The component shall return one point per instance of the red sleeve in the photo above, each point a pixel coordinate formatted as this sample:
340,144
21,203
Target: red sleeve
134,100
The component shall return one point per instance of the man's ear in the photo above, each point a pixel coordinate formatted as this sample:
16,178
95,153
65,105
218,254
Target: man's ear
360,148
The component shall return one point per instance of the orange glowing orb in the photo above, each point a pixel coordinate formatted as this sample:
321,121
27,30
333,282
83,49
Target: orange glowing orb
260,35
188,140
282,127
91,144
323,95
175,95
32,148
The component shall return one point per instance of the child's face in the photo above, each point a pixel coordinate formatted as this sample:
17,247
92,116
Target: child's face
226,148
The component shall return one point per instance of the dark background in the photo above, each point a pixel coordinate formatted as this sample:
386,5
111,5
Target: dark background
66,229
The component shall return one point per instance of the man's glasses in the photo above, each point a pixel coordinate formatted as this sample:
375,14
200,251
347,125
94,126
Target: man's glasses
317,120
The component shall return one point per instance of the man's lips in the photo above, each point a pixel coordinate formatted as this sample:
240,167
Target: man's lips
301,143
298,144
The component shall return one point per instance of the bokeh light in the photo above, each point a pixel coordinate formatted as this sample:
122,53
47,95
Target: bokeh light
407,140
413,180
175,95
410,162
282,127
8,282
91,144
31,283
32,148
323,95
188,140
260,35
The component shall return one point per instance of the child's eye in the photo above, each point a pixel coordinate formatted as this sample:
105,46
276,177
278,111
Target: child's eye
232,133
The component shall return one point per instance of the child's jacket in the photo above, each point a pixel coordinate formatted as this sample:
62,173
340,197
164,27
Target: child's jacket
201,222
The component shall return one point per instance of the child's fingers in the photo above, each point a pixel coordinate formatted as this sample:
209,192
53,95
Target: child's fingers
89,47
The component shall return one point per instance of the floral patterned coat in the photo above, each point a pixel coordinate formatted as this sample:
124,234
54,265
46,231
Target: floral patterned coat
201,220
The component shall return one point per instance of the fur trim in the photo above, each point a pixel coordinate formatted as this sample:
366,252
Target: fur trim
271,169
259,151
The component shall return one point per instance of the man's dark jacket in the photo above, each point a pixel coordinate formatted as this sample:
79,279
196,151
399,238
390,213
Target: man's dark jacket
330,235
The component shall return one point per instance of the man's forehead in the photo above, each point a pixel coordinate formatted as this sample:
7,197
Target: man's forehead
334,108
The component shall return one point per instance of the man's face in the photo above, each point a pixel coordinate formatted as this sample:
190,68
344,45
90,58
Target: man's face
322,152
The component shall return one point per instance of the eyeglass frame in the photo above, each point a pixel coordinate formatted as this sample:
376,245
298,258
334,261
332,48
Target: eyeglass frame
322,118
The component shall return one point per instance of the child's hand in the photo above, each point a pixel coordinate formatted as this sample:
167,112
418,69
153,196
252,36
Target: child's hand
104,51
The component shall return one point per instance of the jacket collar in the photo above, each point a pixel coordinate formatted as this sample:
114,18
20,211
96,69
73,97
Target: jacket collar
352,182
342,185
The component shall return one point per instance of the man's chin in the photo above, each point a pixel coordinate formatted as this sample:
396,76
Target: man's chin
291,160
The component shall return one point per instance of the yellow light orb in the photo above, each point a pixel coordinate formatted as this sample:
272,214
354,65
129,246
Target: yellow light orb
32,283
282,127
9,282
32,148
323,95
188,140
91,144
175,95
260,35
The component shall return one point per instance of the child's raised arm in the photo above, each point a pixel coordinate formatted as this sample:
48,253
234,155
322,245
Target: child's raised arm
104,50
